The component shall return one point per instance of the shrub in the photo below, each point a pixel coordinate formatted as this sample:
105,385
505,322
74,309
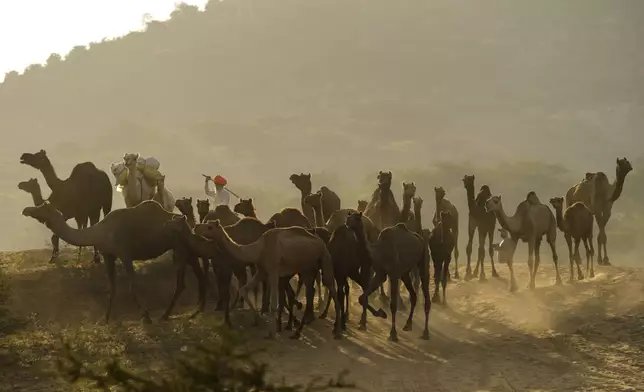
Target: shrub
227,366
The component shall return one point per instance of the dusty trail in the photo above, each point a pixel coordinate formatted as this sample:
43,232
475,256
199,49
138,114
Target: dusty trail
581,337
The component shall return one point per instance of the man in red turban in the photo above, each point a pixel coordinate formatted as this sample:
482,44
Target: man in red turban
220,194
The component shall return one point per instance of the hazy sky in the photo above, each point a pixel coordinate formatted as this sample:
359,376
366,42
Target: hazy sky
30,30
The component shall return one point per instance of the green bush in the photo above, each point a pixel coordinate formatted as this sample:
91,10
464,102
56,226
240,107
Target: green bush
228,366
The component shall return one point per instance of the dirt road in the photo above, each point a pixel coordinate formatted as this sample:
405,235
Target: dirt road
584,336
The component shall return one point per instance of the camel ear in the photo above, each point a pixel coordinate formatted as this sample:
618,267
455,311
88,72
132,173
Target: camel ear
308,175
250,199
43,151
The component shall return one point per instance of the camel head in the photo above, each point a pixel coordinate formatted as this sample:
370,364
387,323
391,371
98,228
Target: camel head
302,182
178,225
409,189
384,178
130,159
203,206
42,213
212,230
184,205
589,176
623,167
314,199
468,181
418,203
440,193
29,186
494,204
557,202
362,205
37,160
354,221
245,207
161,182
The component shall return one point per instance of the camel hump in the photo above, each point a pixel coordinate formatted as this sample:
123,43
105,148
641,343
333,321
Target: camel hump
402,225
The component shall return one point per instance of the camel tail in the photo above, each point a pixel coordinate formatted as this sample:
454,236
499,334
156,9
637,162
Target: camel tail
106,193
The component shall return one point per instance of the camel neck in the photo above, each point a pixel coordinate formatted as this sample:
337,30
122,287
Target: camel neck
365,249
561,222
406,207
471,202
319,217
418,220
51,178
36,195
90,236
618,186
201,246
509,223
247,254
192,222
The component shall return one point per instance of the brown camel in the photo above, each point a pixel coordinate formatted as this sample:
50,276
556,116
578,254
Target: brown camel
598,194
396,253
362,205
280,252
203,207
482,220
129,234
442,204
409,192
383,209
303,183
32,187
441,245
531,221
184,205
83,195
225,215
576,223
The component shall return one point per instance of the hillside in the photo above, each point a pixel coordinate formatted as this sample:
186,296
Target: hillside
257,90
586,336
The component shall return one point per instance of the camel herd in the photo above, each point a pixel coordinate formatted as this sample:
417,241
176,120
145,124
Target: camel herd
323,243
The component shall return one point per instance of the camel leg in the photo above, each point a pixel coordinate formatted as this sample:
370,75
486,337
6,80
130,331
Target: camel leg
393,306
531,242
131,275
481,256
273,281
309,286
341,281
513,282
346,288
110,269
383,294
423,271
375,282
601,242
300,284
180,285
438,273
444,279
588,244
580,274
571,257
456,254
468,250
490,237
325,312
555,259
205,266
266,296
406,278
252,283
290,296
537,256
93,219
281,303
55,242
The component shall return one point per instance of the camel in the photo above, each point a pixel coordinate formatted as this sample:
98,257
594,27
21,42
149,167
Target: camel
396,253
531,221
576,223
598,194
246,207
383,209
138,189
225,215
280,252
409,192
129,234
82,195
442,204
303,183
441,244
482,220
32,187
203,207
362,205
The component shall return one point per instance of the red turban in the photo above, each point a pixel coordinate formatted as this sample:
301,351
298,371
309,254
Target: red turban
219,180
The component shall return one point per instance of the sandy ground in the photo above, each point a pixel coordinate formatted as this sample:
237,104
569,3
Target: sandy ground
586,336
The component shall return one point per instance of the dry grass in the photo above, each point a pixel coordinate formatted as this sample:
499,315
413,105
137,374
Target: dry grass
585,336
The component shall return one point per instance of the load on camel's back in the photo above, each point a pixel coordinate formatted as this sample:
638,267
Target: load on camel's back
139,179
